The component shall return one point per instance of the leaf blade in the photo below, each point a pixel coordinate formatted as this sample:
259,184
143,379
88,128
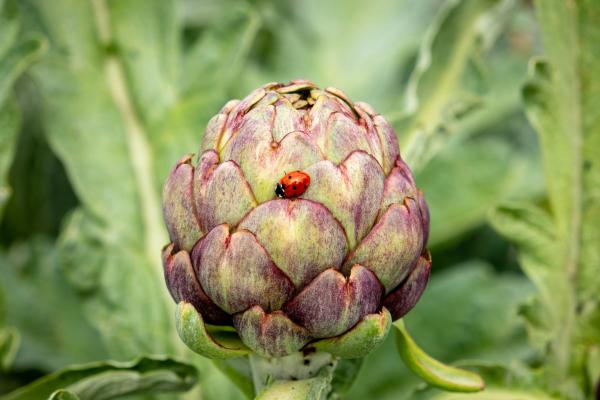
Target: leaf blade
443,59
110,379
9,344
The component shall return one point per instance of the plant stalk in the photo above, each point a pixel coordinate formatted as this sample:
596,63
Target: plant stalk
294,367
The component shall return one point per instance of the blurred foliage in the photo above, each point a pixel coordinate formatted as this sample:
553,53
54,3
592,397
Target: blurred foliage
558,243
99,98
444,325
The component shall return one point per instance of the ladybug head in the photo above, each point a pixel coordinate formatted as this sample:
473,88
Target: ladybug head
279,190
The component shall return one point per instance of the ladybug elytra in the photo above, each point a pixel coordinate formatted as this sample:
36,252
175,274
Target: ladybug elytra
293,184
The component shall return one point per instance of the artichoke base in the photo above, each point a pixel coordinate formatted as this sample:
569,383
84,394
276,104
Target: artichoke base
294,367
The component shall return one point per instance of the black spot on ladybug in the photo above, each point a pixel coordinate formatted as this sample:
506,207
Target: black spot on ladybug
289,177
294,187
279,191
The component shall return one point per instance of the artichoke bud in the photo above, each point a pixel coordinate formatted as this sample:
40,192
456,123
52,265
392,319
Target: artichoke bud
328,266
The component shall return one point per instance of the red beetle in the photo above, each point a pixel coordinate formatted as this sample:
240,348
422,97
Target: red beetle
293,184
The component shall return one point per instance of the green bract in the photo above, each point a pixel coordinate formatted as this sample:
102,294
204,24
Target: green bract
328,269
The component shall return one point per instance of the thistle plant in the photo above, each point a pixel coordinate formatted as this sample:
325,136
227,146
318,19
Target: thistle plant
328,270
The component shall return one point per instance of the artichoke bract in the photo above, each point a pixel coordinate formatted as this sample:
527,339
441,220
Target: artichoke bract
329,269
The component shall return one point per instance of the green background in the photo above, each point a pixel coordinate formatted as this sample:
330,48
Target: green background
99,99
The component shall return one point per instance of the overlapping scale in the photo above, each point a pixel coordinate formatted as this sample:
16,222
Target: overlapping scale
301,236
402,299
237,273
178,206
350,191
270,335
222,194
331,303
392,246
183,285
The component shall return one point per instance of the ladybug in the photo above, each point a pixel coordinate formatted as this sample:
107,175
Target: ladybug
293,184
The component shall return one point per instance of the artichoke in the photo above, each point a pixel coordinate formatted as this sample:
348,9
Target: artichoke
328,269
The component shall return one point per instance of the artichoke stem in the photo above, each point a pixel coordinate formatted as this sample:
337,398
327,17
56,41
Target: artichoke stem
297,366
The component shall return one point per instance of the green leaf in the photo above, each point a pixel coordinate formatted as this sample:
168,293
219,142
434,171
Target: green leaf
9,340
9,344
129,74
448,46
15,58
432,371
150,86
496,335
83,141
118,115
45,310
576,136
41,193
111,379
18,58
305,389
468,178
15,55
81,238
9,127
119,231
532,229
593,368
490,155
149,51
220,55
559,252
9,24
62,394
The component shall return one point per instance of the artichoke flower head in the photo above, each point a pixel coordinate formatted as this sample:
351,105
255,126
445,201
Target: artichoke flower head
328,269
